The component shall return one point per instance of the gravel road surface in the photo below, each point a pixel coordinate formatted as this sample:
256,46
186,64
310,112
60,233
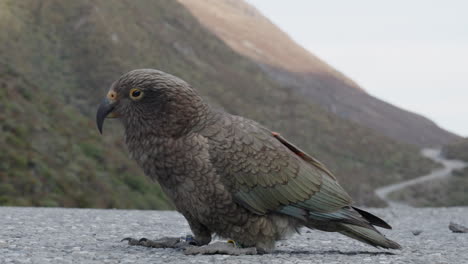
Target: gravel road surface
56,235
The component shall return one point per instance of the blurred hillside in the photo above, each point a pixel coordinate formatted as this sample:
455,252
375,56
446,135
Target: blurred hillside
58,59
248,32
446,192
457,150
51,155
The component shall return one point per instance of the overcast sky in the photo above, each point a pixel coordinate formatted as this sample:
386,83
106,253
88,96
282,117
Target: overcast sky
413,54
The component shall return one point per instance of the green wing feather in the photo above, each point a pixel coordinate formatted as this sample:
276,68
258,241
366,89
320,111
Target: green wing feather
266,173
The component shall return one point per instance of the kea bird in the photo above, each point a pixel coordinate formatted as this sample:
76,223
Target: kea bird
228,175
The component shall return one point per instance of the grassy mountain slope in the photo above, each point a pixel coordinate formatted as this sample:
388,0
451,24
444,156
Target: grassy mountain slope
248,32
52,157
457,150
67,53
447,192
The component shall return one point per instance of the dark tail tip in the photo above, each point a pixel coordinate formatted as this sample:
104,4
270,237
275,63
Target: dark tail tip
373,220
393,244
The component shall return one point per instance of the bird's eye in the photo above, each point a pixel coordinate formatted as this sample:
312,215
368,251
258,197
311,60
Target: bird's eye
136,94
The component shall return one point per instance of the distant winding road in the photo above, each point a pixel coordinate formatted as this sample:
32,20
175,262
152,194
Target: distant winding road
435,155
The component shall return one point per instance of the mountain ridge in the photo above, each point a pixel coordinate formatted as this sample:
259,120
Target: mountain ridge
248,32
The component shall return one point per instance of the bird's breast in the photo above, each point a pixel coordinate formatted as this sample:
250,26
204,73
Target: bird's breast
171,161
185,172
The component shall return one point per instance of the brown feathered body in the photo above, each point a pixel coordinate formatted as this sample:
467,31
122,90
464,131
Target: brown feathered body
229,175
190,177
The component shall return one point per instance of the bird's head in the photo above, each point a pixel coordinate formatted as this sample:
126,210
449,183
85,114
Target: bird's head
152,100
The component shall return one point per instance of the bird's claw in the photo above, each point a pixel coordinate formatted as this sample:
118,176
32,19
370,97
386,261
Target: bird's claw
191,247
165,242
131,241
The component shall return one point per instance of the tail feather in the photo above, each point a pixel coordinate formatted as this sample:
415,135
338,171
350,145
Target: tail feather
354,223
368,235
373,220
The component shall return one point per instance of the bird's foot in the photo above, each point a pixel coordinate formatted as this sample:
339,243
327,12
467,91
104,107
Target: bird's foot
230,248
165,242
190,246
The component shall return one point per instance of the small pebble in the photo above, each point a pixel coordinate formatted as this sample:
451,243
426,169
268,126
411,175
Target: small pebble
456,228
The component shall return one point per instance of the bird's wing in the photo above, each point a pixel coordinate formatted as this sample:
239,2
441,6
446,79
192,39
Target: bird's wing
266,173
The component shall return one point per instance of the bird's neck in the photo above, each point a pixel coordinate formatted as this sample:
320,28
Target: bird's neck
174,121
158,139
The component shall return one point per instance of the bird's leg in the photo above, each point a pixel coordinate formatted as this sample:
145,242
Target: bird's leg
192,247
225,248
165,242
195,245
203,237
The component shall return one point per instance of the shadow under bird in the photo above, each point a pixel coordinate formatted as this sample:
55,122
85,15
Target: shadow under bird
226,174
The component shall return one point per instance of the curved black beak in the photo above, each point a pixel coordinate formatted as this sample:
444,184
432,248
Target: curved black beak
105,108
